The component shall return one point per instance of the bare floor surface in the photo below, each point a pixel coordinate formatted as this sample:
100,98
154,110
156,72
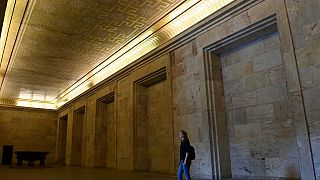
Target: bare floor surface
75,173
82,173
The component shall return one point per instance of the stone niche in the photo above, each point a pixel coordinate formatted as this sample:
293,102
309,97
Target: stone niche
260,126
78,137
249,68
105,147
62,139
153,128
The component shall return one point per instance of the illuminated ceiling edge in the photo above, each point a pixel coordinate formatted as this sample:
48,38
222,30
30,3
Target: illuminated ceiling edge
8,18
144,35
27,10
22,27
198,12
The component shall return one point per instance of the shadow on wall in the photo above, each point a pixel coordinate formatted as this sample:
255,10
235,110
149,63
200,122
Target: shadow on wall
292,173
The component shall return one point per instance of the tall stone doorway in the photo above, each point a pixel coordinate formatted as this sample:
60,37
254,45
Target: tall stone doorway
78,137
153,124
105,150
62,139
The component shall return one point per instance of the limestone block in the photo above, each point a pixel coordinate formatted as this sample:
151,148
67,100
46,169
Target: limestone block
228,102
259,113
317,167
245,167
273,166
178,70
289,168
237,116
308,56
239,148
310,77
312,31
273,93
288,149
254,81
268,148
303,17
269,129
201,165
238,22
312,99
188,50
285,130
246,68
251,51
271,43
237,70
249,131
267,60
231,73
230,59
305,162
277,74
315,144
282,111
231,126
233,88
255,14
313,122
240,166
244,100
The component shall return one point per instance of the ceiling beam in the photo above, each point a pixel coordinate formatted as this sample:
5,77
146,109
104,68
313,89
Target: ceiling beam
3,6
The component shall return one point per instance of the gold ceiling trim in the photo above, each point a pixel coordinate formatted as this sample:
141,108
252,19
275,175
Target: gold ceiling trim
8,18
185,16
180,19
16,17
28,103
25,11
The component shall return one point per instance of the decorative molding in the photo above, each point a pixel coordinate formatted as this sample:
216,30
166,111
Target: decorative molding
213,20
213,76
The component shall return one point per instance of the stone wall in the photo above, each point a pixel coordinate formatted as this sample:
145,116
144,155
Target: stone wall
28,130
304,19
113,118
188,109
262,141
243,83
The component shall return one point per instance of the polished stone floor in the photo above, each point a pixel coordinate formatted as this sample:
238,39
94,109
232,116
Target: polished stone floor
76,173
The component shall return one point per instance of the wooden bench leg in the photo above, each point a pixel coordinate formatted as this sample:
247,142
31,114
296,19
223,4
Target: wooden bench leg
19,162
30,163
41,162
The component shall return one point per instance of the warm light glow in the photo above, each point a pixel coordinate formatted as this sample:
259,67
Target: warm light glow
182,18
6,24
35,104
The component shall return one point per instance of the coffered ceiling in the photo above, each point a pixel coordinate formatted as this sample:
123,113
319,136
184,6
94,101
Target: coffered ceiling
52,49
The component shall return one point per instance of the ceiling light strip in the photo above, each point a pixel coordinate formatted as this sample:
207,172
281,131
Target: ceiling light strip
6,26
162,22
176,26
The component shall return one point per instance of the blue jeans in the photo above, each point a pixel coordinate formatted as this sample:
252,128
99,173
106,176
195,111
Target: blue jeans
183,168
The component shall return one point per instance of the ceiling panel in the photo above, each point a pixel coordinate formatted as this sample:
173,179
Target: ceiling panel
65,39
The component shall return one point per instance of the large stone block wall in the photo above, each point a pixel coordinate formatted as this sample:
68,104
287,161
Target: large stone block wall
304,19
262,141
28,130
260,102
116,121
188,109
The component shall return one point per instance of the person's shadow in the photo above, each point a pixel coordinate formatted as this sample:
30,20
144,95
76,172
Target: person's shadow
292,173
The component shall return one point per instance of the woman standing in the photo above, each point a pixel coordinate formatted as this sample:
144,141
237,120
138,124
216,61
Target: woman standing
185,162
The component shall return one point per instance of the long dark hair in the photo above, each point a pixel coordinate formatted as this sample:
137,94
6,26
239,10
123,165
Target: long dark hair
185,134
